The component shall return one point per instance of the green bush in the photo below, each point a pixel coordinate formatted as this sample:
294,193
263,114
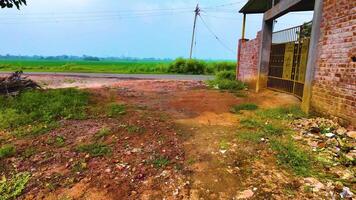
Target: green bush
187,66
42,106
224,66
229,75
7,151
12,188
225,84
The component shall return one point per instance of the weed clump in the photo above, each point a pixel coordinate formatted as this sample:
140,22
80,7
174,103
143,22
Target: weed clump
95,149
43,107
103,133
160,162
290,155
12,188
7,151
284,113
115,110
244,106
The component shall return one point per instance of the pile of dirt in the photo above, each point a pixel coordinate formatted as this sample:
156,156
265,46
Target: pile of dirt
16,83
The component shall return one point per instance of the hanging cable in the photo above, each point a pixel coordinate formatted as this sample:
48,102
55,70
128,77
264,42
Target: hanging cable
216,37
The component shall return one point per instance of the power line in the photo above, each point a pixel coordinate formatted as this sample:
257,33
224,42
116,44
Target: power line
86,18
224,5
216,37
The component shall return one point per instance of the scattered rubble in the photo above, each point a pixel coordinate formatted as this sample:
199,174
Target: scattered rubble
335,146
329,139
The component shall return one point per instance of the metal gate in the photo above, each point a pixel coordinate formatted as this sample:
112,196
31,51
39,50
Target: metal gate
288,61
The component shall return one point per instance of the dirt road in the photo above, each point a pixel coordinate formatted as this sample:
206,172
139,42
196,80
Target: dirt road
188,123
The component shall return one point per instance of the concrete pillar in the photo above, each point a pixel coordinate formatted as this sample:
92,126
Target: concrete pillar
313,55
265,51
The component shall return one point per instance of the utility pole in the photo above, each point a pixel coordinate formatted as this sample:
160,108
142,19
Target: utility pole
197,12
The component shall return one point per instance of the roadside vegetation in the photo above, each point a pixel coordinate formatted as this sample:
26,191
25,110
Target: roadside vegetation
271,126
178,66
36,112
226,80
13,187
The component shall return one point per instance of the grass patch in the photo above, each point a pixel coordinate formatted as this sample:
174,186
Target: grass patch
35,130
43,108
95,149
179,66
30,151
7,151
12,188
79,166
251,136
244,106
103,132
283,113
251,123
225,84
270,129
240,94
160,162
115,110
134,129
58,141
290,155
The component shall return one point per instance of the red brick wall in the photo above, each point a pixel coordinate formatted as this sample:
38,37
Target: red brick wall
334,87
248,56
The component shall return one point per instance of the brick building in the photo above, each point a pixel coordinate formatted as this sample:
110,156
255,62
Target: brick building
319,68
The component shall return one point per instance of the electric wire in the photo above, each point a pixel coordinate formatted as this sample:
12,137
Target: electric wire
216,37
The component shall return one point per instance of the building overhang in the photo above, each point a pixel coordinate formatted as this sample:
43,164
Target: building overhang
262,6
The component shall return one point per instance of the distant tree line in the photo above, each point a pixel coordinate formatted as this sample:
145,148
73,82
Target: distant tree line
76,58
12,3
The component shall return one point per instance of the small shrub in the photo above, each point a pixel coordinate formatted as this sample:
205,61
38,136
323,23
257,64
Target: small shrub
160,162
290,155
225,84
244,106
7,151
224,66
12,188
228,75
187,66
115,110
95,149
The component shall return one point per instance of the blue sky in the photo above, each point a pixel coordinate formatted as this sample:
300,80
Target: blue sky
140,28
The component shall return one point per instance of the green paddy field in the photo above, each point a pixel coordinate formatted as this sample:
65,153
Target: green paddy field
105,66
